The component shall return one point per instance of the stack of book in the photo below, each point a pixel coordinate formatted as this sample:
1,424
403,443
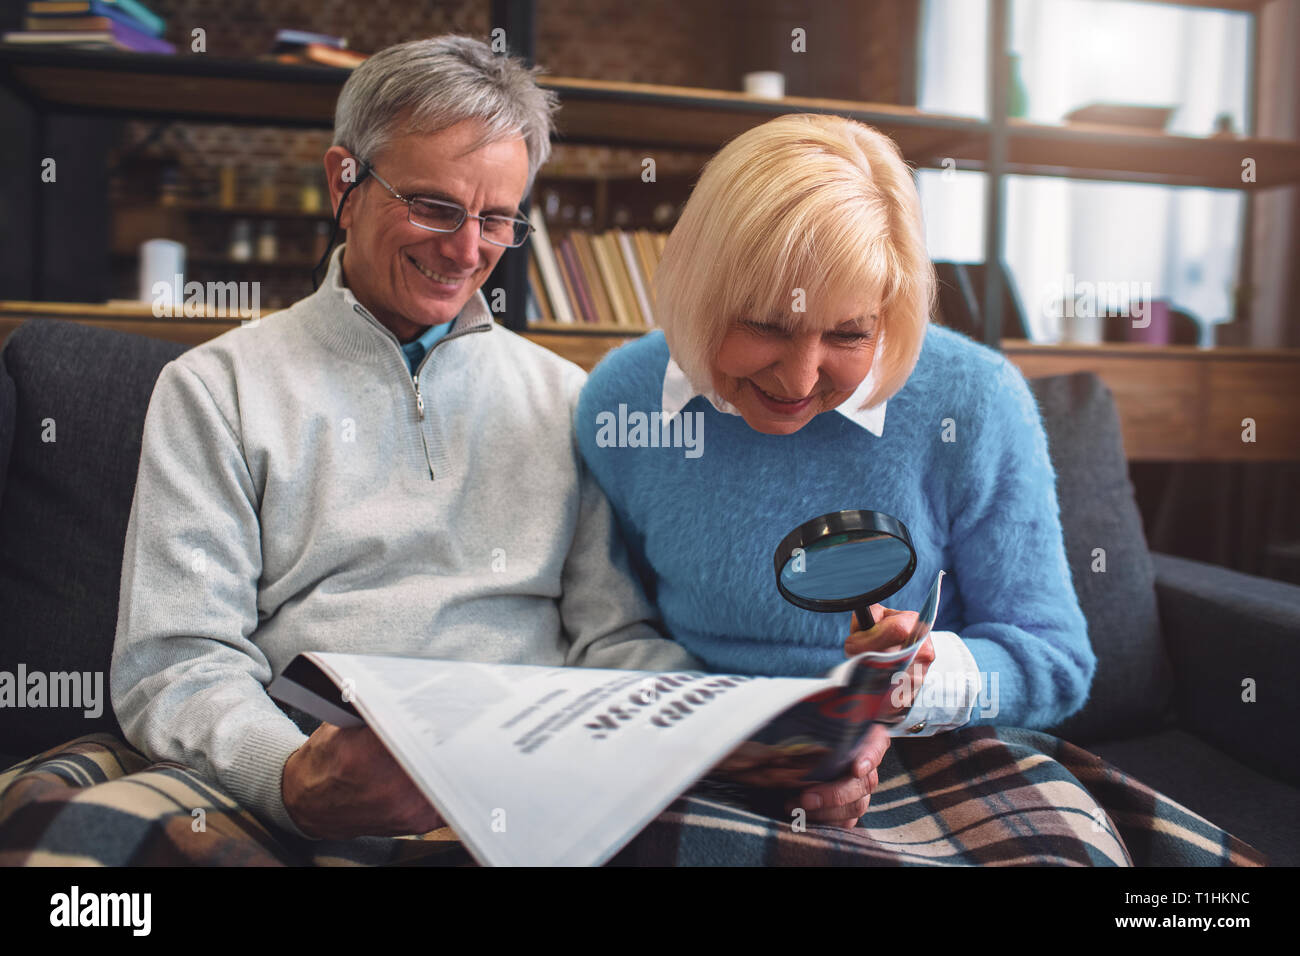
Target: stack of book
93,24
601,279
300,46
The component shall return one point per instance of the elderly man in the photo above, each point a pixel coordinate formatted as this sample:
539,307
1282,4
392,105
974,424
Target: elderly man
377,469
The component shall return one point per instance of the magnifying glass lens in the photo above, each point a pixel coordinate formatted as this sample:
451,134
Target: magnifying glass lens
846,560
834,570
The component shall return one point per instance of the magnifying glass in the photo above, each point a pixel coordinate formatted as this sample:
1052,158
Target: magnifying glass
845,561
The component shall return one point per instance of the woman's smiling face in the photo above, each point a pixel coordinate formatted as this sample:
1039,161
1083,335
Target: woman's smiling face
778,376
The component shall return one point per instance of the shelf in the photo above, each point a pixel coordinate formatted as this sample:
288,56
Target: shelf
1145,351
1240,6
195,87
248,212
280,262
114,309
650,117
638,115
1090,151
674,117
706,119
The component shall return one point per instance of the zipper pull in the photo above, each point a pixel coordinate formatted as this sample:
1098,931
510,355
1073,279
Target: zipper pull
419,407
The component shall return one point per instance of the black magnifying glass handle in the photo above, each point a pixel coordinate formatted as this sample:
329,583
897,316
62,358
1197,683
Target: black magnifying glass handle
866,620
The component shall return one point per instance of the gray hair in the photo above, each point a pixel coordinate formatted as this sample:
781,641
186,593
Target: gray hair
436,83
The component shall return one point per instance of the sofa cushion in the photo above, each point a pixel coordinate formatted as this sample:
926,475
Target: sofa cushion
1232,796
1132,691
81,397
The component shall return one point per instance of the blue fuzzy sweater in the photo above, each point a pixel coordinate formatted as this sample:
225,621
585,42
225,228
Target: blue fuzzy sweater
982,506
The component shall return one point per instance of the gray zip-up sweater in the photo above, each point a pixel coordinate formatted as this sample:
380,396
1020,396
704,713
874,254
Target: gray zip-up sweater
300,490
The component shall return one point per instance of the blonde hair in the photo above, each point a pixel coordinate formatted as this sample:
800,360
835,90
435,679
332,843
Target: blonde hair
809,202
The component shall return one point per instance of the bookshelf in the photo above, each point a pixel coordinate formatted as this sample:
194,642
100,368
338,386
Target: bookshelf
210,89
250,212
635,114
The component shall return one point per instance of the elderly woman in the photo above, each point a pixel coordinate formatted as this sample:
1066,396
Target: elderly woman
794,297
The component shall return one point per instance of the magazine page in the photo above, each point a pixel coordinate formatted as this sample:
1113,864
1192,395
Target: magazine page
540,766
562,766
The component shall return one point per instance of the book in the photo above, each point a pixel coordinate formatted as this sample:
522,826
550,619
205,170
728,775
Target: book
571,274
537,292
607,264
623,279
648,256
116,35
290,39
588,272
532,305
544,256
1122,114
322,54
639,285
543,766
131,13
76,24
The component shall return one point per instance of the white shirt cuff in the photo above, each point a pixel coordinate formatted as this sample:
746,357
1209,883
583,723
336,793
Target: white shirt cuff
951,689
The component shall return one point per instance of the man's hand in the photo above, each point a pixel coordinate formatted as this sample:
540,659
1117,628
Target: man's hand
342,784
842,802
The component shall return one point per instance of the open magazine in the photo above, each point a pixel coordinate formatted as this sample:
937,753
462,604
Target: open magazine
536,766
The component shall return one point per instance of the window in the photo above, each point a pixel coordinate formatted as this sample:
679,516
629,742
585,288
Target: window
1185,242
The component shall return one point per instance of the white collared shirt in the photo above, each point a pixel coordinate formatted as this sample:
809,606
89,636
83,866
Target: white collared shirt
954,669
678,391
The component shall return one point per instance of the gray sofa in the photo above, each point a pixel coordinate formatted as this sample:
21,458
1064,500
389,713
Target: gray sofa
1175,639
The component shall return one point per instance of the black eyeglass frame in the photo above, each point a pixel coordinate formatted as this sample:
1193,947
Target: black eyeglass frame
465,214
368,170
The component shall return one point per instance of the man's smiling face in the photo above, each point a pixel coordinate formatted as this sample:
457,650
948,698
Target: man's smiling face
410,278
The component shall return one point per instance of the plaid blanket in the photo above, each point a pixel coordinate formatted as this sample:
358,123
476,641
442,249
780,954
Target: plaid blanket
980,796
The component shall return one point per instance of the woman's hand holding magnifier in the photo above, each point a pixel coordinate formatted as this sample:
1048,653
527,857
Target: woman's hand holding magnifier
892,630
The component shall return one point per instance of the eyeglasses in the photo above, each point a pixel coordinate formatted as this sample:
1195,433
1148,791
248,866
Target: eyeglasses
438,216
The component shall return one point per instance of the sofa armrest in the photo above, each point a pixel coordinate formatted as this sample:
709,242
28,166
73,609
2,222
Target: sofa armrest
1223,628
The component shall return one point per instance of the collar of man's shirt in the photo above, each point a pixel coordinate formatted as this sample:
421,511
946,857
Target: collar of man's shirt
678,391
474,314
415,349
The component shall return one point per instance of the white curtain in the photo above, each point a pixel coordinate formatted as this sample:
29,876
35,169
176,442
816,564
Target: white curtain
1184,242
